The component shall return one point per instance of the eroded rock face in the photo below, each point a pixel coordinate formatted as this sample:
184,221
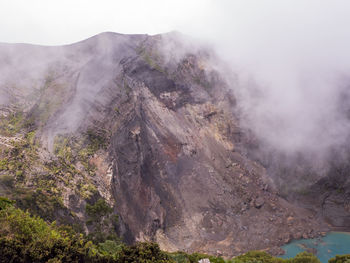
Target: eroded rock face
330,198
175,167
181,177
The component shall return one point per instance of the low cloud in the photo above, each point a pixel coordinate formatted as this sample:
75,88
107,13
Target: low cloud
293,63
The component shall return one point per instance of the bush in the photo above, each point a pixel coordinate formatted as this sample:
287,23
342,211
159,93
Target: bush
5,203
340,259
305,257
110,249
24,238
100,208
144,253
182,257
257,256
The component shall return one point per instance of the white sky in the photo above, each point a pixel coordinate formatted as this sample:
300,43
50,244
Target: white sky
65,21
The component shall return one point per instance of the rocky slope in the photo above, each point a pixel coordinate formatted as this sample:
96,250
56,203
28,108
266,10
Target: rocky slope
137,135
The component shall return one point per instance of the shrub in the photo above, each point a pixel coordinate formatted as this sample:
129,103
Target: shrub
100,208
258,256
110,249
340,259
144,253
305,257
5,203
182,257
24,238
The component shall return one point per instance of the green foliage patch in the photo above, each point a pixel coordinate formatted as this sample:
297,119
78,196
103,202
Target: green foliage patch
99,209
11,124
340,259
26,238
258,256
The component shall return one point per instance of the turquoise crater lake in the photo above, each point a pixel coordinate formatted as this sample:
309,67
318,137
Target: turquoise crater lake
334,243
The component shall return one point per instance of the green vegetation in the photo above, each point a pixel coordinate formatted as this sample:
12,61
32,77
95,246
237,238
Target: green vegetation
5,203
20,165
258,256
181,257
40,202
305,257
99,209
151,57
26,238
10,125
340,259
101,221
144,253
62,149
38,185
116,109
37,181
70,150
95,140
147,57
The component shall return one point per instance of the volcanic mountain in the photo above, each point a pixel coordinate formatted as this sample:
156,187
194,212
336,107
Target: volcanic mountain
138,136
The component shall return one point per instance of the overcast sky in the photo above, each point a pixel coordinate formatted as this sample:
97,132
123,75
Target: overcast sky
64,21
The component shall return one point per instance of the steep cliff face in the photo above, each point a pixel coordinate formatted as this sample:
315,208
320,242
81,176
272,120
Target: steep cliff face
137,135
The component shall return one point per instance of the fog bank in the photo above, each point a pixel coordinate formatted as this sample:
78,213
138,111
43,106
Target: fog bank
293,63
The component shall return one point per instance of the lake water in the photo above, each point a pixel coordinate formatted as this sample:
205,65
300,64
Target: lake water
334,243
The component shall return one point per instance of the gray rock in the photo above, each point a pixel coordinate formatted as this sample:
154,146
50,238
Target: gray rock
259,202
